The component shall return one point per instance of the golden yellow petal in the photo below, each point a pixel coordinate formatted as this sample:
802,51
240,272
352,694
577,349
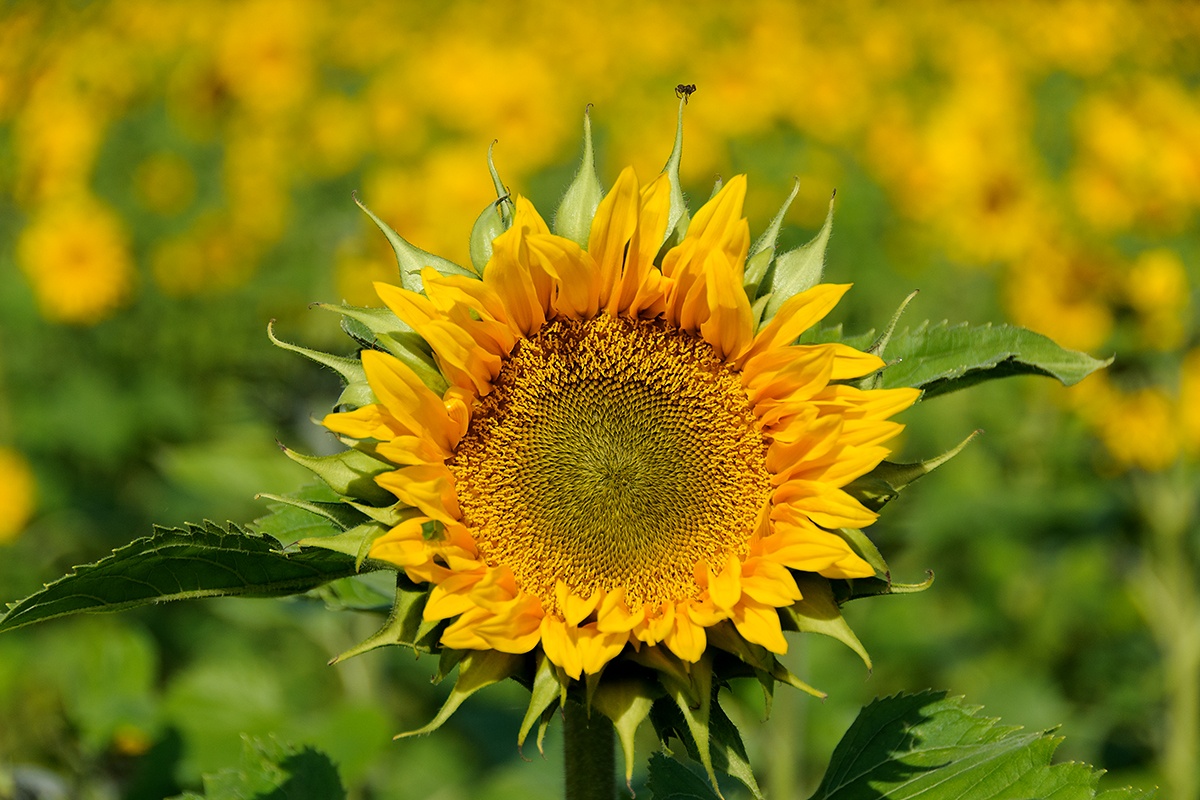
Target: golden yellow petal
613,226
577,282
429,487
685,638
640,281
795,316
769,582
460,358
826,506
368,422
453,595
759,624
725,587
718,224
597,648
560,647
729,325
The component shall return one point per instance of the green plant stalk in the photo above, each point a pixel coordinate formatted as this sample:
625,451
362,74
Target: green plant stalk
1171,605
589,758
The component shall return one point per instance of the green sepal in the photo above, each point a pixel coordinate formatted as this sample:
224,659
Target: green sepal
763,250
380,328
881,342
664,662
678,217
884,483
391,515
488,225
729,752
350,473
448,659
545,691
797,270
573,219
405,625
501,189
341,515
354,542
938,359
627,704
356,395
718,182
758,309
350,369
818,612
694,702
865,549
412,259
478,669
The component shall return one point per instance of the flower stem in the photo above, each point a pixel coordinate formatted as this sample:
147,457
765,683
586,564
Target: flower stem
588,756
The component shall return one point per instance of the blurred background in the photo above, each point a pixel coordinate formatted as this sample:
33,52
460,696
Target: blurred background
174,175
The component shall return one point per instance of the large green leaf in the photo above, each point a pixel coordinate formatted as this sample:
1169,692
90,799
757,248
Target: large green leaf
943,358
271,770
180,563
932,747
671,780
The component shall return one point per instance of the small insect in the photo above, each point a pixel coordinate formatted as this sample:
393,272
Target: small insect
685,91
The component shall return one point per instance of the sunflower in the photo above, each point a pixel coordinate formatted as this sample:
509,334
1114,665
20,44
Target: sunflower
620,459
608,455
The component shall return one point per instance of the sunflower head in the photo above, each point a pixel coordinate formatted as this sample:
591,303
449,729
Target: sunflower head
612,460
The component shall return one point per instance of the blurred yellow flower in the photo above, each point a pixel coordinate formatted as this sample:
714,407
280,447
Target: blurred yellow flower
17,494
1157,289
1139,430
75,254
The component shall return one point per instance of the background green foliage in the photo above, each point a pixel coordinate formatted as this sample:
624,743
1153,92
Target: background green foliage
173,175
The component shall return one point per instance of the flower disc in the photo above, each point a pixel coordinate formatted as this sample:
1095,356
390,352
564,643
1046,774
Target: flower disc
612,453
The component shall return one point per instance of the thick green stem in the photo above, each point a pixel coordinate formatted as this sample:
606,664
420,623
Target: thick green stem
589,759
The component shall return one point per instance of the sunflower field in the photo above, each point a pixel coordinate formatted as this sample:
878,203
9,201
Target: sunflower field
176,177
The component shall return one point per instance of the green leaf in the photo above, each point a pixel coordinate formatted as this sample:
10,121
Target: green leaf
270,770
178,564
798,269
932,747
942,358
671,780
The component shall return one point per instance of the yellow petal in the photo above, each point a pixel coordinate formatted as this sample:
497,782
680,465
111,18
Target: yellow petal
614,224
637,285
368,422
725,589
577,281
429,487
760,624
685,638
795,316
560,647
597,648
